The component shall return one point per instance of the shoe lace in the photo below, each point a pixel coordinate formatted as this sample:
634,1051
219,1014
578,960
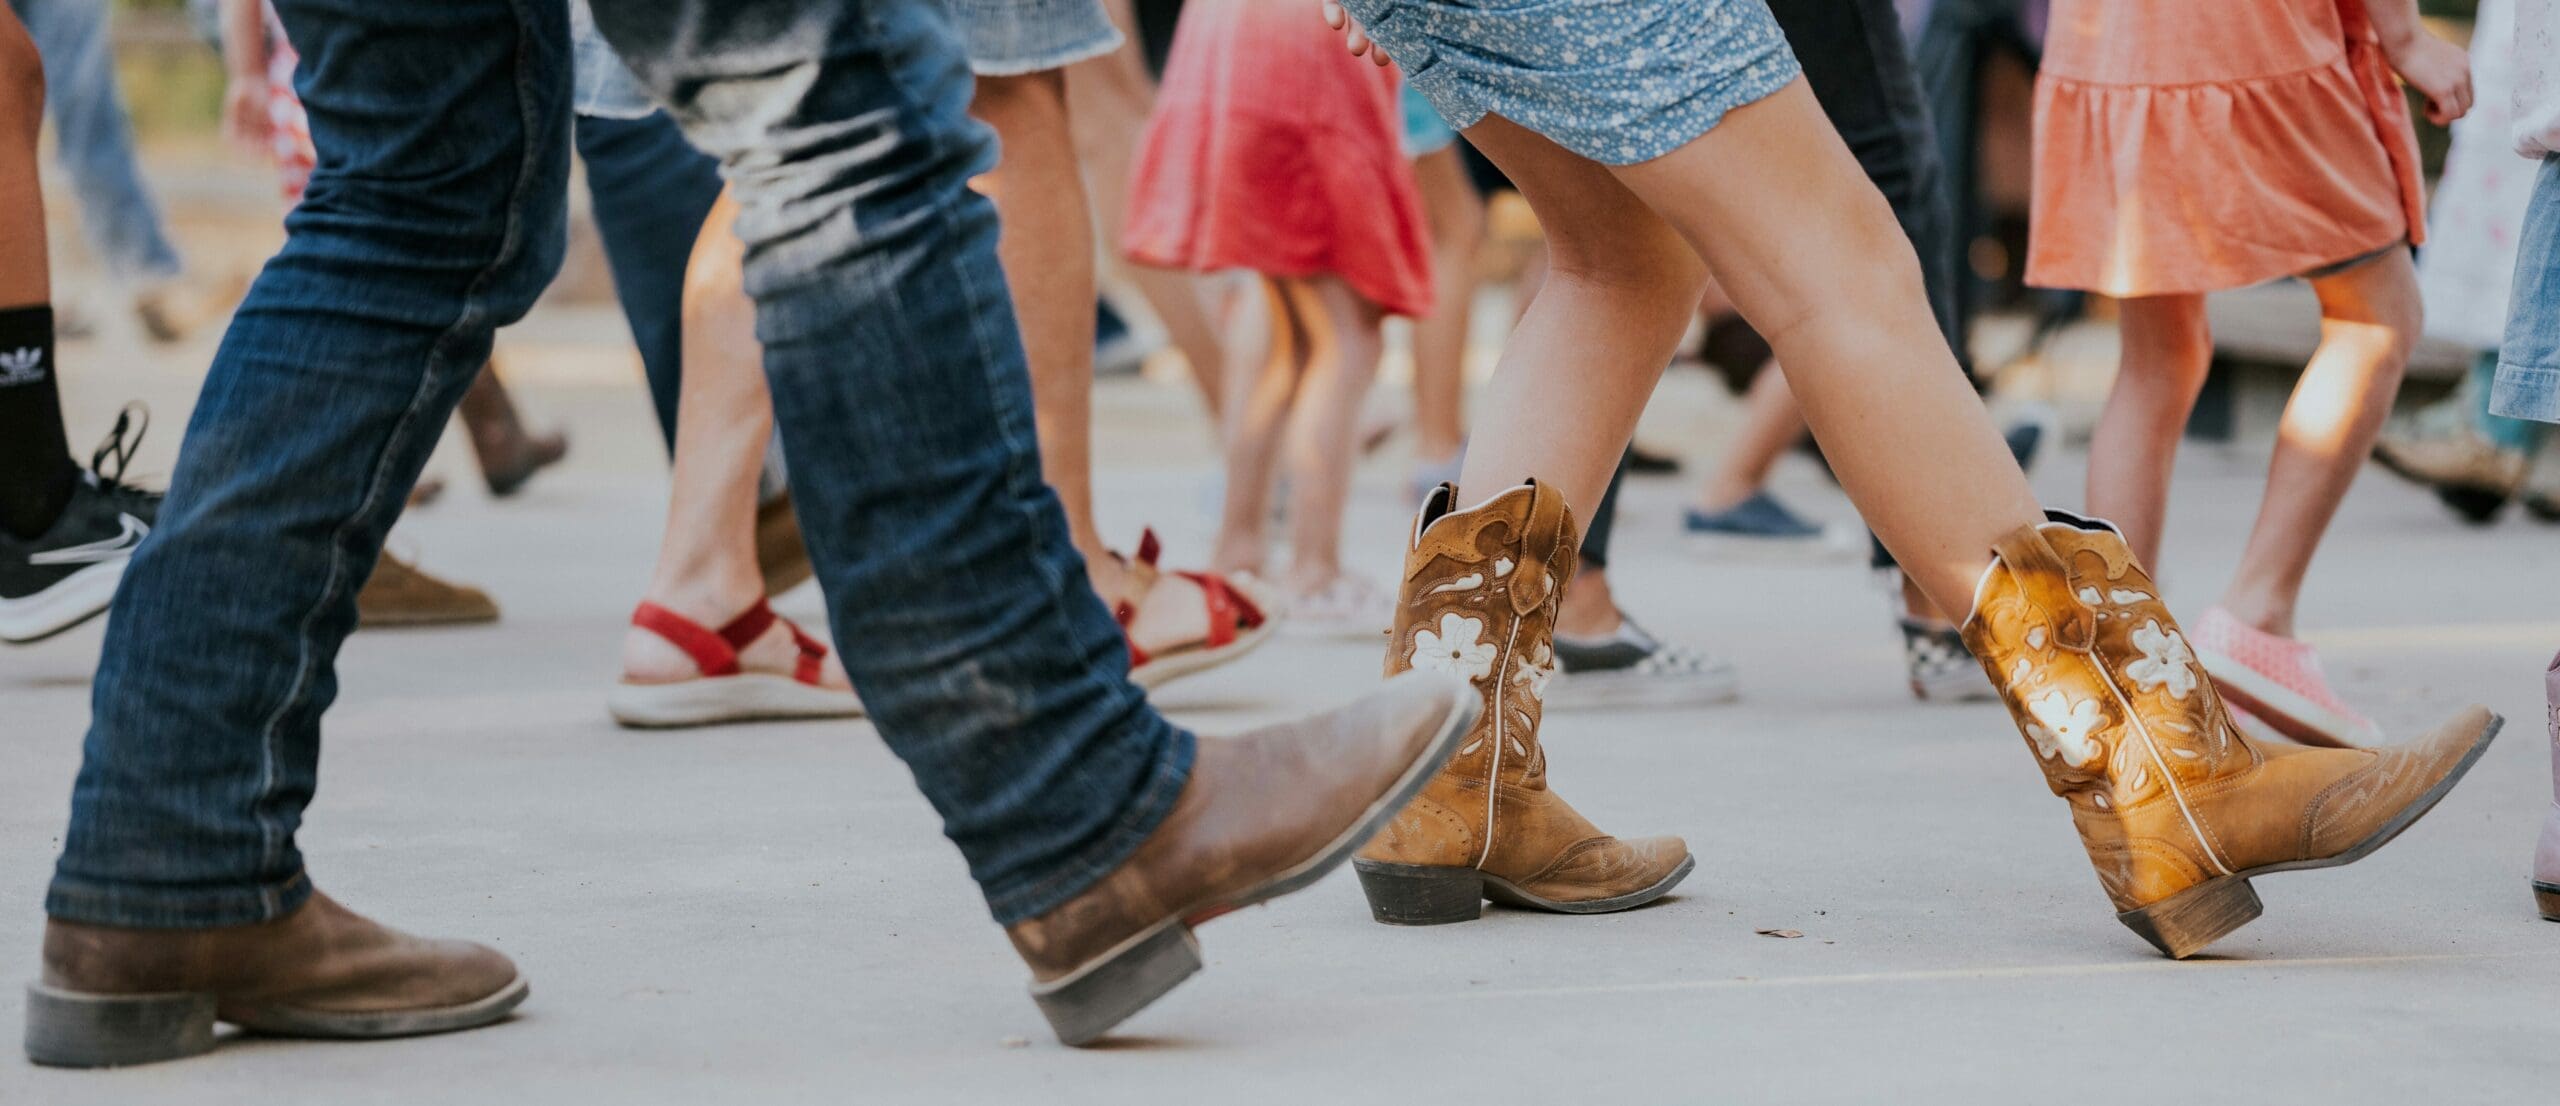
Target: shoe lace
122,442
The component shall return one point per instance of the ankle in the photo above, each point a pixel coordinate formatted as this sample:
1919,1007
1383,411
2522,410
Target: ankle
1312,576
711,598
1723,495
1588,609
2260,612
1109,577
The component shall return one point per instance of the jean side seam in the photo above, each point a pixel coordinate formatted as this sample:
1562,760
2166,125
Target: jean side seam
336,580
1171,771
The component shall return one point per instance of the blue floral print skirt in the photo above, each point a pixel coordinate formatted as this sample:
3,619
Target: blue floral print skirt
1617,81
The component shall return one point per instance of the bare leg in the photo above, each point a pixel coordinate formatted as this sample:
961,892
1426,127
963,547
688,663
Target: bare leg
1341,361
1047,250
1770,426
26,279
1809,251
1113,97
1589,608
707,560
1456,212
1617,292
2369,319
1262,374
2167,350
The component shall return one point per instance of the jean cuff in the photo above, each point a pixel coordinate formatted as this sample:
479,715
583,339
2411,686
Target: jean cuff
1071,877
74,900
2526,392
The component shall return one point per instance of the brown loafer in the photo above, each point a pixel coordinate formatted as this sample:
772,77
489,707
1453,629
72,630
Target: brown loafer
1264,814
111,996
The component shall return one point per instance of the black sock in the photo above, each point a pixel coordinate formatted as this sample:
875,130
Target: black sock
37,474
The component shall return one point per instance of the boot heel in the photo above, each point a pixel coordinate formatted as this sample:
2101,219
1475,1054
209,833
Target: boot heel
2183,924
1084,1006
2547,896
1415,895
68,1029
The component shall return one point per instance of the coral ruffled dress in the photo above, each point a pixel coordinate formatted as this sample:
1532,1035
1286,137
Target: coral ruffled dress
1273,149
2197,145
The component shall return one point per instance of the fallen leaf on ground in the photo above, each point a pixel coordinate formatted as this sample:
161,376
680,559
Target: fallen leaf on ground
1778,933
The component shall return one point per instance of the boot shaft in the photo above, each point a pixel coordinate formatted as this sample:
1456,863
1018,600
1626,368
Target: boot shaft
1478,600
2117,711
2095,671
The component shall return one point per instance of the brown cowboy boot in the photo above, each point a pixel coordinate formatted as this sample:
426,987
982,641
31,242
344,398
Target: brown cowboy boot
400,594
1233,839
2178,809
1479,601
509,454
111,997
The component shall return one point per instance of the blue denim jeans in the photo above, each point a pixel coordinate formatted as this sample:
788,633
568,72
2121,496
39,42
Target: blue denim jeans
649,191
2528,385
94,140
436,215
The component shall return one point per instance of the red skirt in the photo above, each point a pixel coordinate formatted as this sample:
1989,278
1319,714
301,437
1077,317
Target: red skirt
1273,149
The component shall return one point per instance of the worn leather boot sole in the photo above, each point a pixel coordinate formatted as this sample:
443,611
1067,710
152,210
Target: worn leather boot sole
72,1029
1086,1003
2183,924
1421,895
2547,897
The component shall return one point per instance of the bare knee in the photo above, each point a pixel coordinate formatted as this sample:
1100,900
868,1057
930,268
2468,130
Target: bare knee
2168,340
2376,303
1659,273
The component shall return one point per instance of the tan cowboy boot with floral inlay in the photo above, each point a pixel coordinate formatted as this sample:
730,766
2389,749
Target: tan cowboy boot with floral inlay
1479,601
2177,808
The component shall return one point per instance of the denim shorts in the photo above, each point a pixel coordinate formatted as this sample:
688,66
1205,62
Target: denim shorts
1616,81
1012,37
2528,384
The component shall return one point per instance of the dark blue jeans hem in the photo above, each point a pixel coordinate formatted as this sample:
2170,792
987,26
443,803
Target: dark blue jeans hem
1034,897
156,908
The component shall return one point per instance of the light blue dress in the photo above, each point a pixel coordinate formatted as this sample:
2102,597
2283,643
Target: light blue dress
1617,81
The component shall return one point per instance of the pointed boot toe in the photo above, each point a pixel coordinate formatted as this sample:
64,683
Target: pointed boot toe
2177,807
1478,601
1263,814
1602,877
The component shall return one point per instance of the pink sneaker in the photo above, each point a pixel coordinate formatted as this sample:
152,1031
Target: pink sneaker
2279,680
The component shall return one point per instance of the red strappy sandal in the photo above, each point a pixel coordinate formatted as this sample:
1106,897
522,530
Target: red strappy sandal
1237,624
724,692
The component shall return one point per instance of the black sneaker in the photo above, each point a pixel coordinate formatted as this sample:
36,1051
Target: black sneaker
1632,668
66,575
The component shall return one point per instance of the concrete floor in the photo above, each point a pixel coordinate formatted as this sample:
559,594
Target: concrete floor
768,913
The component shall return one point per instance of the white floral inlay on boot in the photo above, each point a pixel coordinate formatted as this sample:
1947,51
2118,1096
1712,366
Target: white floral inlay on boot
2063,725
1457,649
2165,661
